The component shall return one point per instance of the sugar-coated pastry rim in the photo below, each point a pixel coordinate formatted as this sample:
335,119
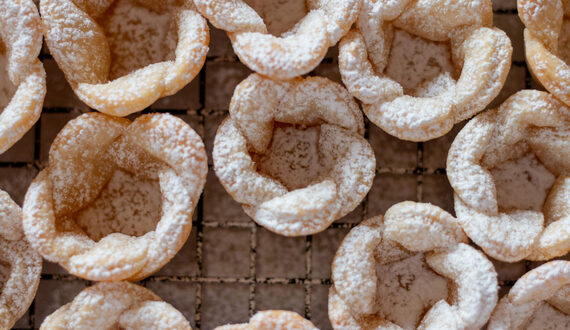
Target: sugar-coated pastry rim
20,31
258,102
482,53
410,227
19,290
181,177
543,22
105,304
296,52
542,284
72,34
487,140
272,320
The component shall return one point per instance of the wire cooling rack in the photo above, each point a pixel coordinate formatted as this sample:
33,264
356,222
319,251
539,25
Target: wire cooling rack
230,267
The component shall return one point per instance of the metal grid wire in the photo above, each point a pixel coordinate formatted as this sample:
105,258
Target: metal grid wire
506,10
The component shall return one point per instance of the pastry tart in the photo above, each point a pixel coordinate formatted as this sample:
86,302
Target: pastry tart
20,265
120,56
116,199
293,153
116,305
419,67
547,37
411,269
22,75
538,300
272,320
509,170
297,50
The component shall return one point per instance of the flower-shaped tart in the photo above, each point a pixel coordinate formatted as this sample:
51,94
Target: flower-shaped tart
120,56
22,75
20,265
509,170
411,269
547,46
298,50
116,199
293,153
419,67
116,305
538,300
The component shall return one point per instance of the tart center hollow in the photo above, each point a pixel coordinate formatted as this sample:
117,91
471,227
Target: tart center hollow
548,317
292,157
423,67
7,89
128,204
279,16
522,183
5,270
138,36
407,289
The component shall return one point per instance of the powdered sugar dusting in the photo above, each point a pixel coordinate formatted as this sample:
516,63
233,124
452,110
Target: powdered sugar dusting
131,34
279,15
381,281
547,317
499,184
292,157
299,50
284,58
421,66
132,179
414,60
128,204
538,300
4,273
325,165
522,183
20,265
7,89
564,42
407,289
137,36
546,43
20,269
116,305
279,320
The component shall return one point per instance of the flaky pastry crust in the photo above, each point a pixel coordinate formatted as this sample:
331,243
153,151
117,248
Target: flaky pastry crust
480,54
116,304
546,43
297,51
258,104
546,287
81,48
407,229
83,159
20,44
528,122
20,265
273,320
